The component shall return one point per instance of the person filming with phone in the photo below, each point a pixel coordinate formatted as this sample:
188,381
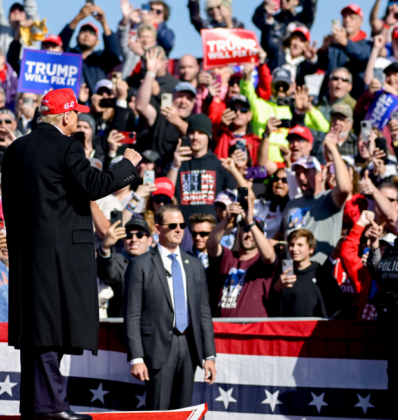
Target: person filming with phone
304,288
244,276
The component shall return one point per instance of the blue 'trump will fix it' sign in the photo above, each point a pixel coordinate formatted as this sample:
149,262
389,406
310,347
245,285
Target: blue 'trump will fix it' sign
43,70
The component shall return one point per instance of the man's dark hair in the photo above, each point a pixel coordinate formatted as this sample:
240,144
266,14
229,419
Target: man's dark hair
159,216
202,218
166,8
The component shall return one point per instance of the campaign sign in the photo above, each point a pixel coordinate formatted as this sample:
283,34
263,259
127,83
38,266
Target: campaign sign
43,70
228,47
381,108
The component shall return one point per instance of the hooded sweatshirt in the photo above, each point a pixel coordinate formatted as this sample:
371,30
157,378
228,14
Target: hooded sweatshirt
304,299
199,181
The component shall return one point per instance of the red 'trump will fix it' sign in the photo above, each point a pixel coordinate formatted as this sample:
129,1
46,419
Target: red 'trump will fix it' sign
227,47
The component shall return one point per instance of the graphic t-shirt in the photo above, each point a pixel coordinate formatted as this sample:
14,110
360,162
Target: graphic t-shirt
241,288
318,214
198,183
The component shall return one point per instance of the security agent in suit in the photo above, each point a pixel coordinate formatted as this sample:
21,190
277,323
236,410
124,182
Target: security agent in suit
167,317
48,182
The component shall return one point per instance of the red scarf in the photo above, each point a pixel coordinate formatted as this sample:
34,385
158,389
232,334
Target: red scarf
3,74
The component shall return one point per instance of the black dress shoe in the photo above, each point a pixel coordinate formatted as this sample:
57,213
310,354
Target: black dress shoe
68,415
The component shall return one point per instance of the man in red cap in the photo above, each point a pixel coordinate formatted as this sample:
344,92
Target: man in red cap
49,183
346,47
96,64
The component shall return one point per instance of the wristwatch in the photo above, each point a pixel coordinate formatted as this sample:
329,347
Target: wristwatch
251,225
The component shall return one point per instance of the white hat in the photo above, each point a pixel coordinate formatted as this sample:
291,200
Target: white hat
308,162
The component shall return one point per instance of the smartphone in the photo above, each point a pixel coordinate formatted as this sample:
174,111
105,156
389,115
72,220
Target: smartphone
149,176
217,78
115,216
107,103
379,75
256,172
186,141
28,102
394,115
243,194
166,100
146,7
336,23
332,169
116,77
381,143
366,130
130,137
286,264
285,123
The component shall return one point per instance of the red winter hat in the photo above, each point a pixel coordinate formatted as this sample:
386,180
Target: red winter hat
60,101
303,30
303,132
55,39
164,186
354,8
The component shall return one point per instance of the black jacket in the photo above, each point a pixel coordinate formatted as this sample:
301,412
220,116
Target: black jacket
111,271
149,313
97,64
47,187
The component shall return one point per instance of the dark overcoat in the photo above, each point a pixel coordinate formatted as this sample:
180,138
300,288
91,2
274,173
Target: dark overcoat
47,187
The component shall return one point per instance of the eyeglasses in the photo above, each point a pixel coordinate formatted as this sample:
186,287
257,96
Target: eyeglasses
157,11
173,226
139,235
276,179
6,121
201,234
392,200
161,199
343,79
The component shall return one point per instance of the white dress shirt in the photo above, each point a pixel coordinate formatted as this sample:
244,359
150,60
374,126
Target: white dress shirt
167,262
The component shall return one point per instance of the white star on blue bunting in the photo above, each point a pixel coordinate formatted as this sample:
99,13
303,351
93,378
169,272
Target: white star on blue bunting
98,394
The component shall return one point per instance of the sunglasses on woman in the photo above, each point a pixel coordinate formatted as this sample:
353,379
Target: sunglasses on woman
157,11
8,122
173,226
277,178
161,199
139,235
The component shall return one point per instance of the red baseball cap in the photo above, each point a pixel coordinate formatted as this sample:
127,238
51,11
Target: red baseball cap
354,8
164,186
303,132
91,25
303,30
60,101
55,39
395,33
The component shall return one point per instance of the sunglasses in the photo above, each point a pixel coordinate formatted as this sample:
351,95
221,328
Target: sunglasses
173,226
243,109
139,235
161,199
211,9
343,79
201,234
157,11
6,121
276,179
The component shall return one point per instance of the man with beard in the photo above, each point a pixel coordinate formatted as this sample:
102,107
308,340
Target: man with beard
245,276
96,64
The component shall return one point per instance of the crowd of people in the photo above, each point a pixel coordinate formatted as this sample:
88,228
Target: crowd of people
283,188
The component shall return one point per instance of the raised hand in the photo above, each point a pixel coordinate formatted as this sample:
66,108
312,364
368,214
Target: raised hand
182,154
228,116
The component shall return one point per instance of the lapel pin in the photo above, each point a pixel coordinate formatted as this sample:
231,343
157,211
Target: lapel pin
186,261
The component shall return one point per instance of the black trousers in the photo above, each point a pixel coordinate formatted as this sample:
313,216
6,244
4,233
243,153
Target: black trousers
43,389
171,387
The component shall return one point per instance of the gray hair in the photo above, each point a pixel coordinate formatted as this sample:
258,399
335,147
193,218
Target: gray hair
341,69
53,119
